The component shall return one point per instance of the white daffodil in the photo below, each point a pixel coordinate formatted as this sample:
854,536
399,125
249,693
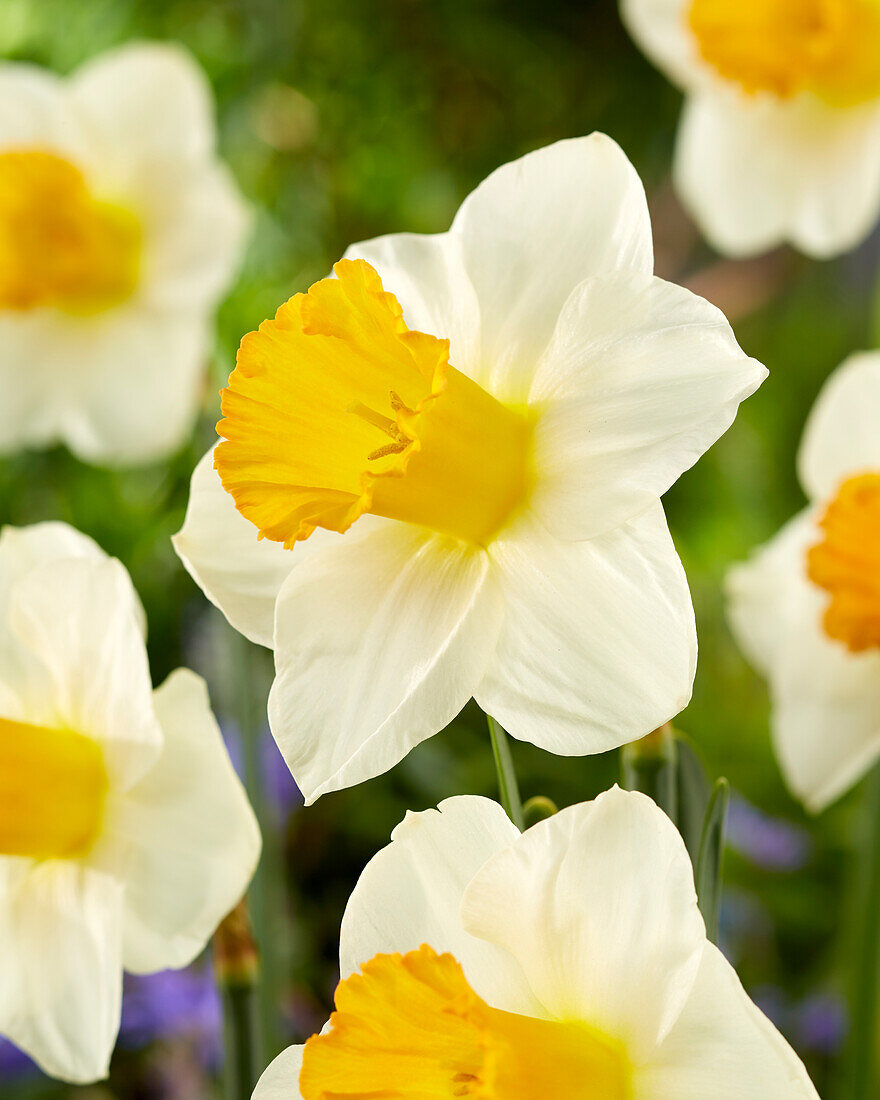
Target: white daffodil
490,415
806,608
569,962
119,232
125,835
780,136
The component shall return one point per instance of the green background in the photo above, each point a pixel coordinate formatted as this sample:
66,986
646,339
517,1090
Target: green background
344,119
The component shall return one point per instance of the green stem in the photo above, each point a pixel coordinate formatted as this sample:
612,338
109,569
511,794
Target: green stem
866,953
237,967
649,766
507,784
241,1025
265,895
708,873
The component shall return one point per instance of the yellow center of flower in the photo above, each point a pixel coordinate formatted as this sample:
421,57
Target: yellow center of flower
59,245
409,1027
53,784
828,47
847,563
336,408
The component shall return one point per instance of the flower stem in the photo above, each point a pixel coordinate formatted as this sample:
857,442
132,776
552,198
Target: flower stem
707,874
237,969
264,896
862,1055
507,785
649,766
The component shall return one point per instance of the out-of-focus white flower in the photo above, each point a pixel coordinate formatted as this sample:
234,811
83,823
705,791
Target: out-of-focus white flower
806,608
780,136
570,961
498,481
119,232
125,835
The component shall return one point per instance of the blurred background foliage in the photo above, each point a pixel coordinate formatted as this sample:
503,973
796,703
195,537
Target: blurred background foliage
342,120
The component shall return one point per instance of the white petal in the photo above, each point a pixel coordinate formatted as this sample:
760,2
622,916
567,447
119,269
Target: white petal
60,956
184,839
380,641
640,378
238,572
826,715
34,112
280,1080
825,700
532,232
597,904
118,387
22,551
722,1047
758,172
842,437
428,277
410,893
769,597
660,27
146,100
75,616
25,548
33,375
598,645
139,396
195,226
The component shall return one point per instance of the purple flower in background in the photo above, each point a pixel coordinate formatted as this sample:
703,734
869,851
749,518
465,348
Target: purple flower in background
174,1004
767,841
821,1023
817,1024
774,1003
14,1063
280,791
234,746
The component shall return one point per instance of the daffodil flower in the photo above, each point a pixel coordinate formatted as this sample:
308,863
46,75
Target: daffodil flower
453,454
125,835
119,232
780,136
570,961
806,608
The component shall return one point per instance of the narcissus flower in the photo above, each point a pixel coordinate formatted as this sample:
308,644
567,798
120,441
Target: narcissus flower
568,962
780,136
453,454
806,608
119,232
125,835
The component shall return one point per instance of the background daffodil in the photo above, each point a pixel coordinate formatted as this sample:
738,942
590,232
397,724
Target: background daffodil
570,961
125,835
464,439
780,136
806,608
119,232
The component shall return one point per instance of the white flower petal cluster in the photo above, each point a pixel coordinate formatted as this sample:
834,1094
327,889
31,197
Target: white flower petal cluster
178,841
825,698
122,384
756,169
573,626
589,917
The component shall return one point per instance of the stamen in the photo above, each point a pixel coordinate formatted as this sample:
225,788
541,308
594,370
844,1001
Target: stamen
383,423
